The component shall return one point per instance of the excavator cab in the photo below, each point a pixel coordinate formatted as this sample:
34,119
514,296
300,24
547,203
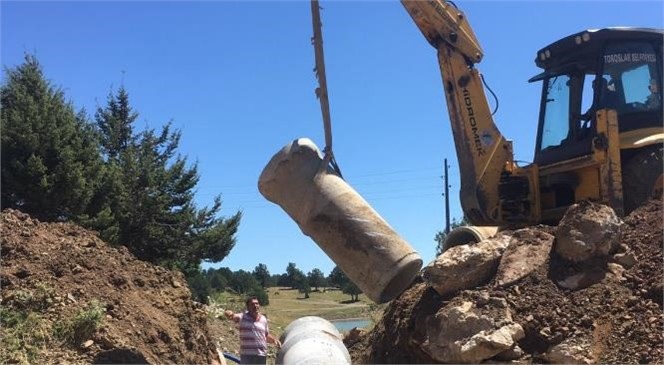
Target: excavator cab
600,119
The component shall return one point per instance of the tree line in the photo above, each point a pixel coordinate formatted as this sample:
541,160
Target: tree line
212,281
99,171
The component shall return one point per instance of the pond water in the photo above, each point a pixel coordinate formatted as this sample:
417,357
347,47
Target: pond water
345,325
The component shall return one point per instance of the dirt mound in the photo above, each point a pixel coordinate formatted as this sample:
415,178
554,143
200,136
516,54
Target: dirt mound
616,320
57,270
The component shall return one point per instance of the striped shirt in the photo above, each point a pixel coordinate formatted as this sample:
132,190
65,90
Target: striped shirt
253,334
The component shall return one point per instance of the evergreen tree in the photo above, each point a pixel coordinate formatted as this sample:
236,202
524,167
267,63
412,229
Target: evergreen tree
337,278
292,273
351,289
147,197
260,294
281,279
316,278
200,287
242,282
131,187
301,283
245,283
115,124
217,280
51,166
262,275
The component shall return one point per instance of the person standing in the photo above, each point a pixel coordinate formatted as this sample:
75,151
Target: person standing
254,333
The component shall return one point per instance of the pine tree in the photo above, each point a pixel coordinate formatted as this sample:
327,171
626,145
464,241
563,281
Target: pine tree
51,165
115,124
337,278
351,289
148,193
316,278
262,275
302,284
131,187
293,274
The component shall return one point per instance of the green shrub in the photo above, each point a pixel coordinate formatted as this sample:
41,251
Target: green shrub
82,326
23,334
39,299
260,294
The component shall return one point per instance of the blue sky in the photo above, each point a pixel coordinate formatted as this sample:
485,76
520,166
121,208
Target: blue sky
237,78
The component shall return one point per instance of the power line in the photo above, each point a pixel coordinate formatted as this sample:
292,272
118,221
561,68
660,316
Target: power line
355,184
348,178
405,197
418,188
390,173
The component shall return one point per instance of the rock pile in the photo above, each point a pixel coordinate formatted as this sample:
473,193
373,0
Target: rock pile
586,291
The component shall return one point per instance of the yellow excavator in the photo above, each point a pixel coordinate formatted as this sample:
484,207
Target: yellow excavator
611,153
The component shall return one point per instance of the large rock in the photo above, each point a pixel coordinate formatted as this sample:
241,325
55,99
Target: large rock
528,249
587,230
568,353
464,333
466,266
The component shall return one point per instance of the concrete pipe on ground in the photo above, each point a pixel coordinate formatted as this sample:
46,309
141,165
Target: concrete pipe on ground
312,340
340,221
464,235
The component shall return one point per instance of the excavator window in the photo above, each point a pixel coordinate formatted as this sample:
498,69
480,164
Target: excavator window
633,67
562,120
557,110
618,69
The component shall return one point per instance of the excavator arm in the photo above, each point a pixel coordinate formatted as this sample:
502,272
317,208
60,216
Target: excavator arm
494,191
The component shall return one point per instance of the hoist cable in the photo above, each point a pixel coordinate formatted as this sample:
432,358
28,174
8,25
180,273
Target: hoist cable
321,90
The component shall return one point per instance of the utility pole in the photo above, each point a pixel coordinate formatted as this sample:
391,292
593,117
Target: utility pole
447,202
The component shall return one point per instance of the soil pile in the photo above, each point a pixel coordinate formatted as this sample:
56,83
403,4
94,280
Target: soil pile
58,271
618,319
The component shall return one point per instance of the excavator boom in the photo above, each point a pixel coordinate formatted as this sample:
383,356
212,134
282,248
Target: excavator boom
441,21
493,190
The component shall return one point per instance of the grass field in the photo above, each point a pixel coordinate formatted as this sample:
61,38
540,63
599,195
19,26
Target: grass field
287,305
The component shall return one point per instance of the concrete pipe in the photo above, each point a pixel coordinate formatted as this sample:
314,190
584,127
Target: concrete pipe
343,224
312,340
308,324
464,235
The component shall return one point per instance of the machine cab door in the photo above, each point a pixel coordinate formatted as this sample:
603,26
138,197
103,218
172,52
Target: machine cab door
564,130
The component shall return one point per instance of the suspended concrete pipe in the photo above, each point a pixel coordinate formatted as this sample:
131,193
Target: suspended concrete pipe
312,340
464,235
340,221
